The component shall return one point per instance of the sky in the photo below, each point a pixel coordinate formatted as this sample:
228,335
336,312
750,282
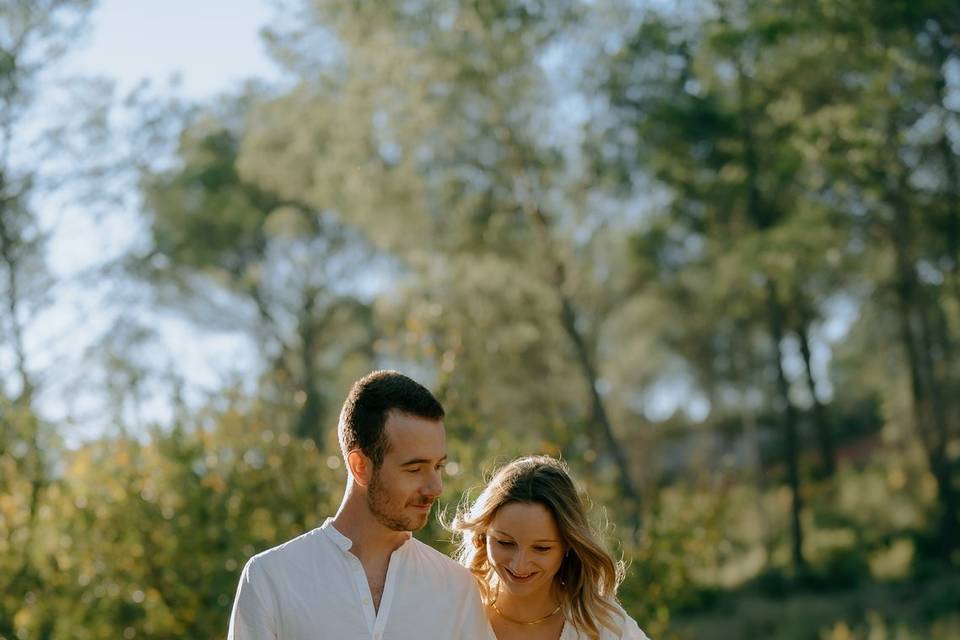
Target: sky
212,46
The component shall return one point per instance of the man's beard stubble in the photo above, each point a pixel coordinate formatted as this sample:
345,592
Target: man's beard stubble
387,513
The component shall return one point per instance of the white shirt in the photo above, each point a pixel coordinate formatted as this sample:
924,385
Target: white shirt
628,630
313,588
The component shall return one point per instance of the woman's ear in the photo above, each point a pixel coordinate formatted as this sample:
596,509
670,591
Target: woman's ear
360,467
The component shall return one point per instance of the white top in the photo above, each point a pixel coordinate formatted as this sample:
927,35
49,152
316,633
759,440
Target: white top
629,630
313,588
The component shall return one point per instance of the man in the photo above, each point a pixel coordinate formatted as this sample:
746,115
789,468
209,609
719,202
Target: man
361,574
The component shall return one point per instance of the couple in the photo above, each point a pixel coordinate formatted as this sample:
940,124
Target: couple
531,568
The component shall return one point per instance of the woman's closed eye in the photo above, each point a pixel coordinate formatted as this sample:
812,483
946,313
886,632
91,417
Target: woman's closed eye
510,543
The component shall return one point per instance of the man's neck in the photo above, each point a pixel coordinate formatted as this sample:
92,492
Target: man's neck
371,541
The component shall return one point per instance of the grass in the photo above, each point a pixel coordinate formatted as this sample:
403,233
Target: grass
902,610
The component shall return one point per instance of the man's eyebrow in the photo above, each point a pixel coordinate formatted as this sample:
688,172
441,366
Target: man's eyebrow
414,461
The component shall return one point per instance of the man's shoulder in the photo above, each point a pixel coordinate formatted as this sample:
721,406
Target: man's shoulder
439,563
293,551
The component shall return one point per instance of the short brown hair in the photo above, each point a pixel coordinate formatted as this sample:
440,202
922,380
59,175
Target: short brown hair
368,404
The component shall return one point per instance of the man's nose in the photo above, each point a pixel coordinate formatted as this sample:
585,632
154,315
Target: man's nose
434,486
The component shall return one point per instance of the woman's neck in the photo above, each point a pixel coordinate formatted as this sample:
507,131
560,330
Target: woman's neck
527,607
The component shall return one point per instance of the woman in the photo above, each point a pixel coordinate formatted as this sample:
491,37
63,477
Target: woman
541,572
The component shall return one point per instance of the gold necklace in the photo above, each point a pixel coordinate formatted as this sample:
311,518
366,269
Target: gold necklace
537,621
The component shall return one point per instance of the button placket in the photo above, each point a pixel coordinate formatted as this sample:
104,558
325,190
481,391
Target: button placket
389,592
363,592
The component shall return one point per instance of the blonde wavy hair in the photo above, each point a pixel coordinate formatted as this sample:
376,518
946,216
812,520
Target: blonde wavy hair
588,577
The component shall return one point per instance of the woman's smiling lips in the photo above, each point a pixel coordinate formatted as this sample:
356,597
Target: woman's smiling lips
519,579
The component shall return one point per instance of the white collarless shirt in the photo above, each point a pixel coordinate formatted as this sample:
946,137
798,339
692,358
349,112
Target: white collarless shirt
313,588
628,629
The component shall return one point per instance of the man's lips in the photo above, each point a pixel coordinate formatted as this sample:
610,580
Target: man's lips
423,507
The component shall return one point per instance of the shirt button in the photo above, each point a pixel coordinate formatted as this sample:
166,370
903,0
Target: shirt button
366,601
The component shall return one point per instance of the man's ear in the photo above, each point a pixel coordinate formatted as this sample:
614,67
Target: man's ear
360,467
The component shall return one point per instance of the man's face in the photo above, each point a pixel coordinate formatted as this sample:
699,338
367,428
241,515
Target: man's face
403,489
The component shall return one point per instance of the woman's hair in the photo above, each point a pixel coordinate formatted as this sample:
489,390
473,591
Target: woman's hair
588,577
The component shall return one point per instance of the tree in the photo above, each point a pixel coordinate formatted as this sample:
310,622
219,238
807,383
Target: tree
897,184
441,115
33,35
230,253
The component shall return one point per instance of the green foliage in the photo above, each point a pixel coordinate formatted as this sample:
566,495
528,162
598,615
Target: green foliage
206,199
151,536
572,220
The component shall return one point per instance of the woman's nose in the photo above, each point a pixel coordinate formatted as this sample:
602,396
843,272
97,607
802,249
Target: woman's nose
519,562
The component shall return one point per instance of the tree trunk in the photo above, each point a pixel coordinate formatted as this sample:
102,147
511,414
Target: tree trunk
951,169
742,365
761,218
828,461
599,417
916,332
930,422
308,419
12,264
775,319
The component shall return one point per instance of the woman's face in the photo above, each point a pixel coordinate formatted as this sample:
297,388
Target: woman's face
524,547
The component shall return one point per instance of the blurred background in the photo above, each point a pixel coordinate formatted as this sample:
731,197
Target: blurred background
707,252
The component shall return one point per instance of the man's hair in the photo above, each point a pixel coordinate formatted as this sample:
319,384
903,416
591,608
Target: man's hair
370,401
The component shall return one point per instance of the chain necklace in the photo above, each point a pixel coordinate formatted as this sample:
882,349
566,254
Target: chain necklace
537,621
515,621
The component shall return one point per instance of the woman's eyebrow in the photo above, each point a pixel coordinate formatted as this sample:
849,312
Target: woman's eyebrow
507,535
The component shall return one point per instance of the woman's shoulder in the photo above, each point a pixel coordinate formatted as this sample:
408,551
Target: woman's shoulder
627,628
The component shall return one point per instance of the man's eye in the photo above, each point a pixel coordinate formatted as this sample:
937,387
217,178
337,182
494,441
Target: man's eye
441,466
414,470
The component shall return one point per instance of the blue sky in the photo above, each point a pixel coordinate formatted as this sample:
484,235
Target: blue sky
212,44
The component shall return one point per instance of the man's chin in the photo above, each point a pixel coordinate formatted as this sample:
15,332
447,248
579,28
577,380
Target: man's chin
418,520
406,523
